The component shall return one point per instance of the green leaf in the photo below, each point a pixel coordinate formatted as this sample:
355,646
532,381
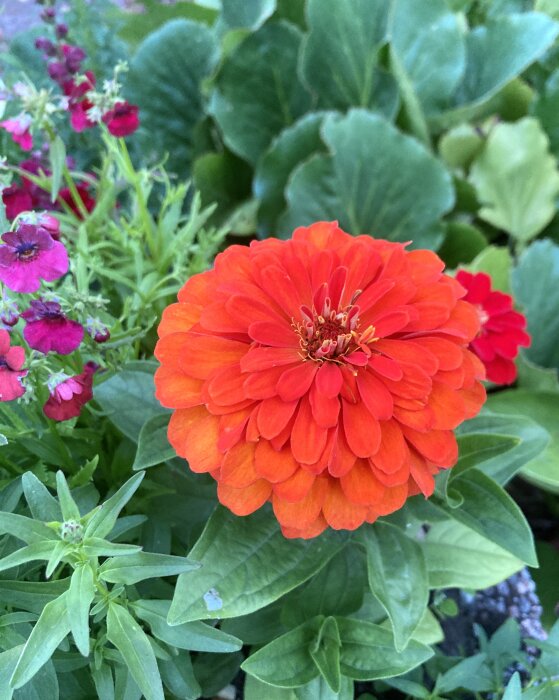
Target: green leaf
8,661
97,547
70,510
170,109
546,109
460,674
337,589
153,445
535,283
128,400
31,595
318,688
543,407
496,53
127,636
462,243
325,652
483,440
238,573
344,73
42,504
376,179
459,146
25,529
487,509
79,598
177,674
103,521
246,14
57,159
427,57
255,689
516,179
286,662
497,262
397,578
457,557
368,651
429,631
195,636
50,629
143,565
215,672
258,92
293,145
37,550
103,680
513,691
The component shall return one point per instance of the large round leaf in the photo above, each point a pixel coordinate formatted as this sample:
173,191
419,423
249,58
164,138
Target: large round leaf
258,92
375,180
164,81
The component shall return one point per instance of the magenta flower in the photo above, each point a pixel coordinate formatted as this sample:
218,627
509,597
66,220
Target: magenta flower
69,395
122,119
29,255
19,128
11,362
16,200
48,328
78,104
50,224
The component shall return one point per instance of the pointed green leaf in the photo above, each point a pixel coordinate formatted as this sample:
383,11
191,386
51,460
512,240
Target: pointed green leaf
31,595
195,636
248,14
97,547
59,551
543,407
79,598
238,571
42,504
50,629
178,675
103,521
368,651
458,557
128,637
38,550
57,158
325,652
489,510
104,684
513,691
143,565
70,510
25,529
286,662
153,444
397,578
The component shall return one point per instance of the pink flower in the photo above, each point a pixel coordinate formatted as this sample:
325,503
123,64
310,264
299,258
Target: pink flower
73,56
50,224
68,397
29,255
122,119
83,191
78,104
19,129
48,328
11,362
16,200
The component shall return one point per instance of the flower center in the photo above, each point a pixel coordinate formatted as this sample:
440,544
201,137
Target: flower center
331,334
27,251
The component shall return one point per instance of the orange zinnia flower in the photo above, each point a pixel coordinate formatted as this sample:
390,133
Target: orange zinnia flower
325,373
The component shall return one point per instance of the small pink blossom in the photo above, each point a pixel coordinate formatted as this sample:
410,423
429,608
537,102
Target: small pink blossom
68,396
49,329
50,224
19,128
78,104
11,362
28,255
122,119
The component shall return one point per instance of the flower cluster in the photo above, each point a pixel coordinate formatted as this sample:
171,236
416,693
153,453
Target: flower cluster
501,330
86,107
30,255
325,374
